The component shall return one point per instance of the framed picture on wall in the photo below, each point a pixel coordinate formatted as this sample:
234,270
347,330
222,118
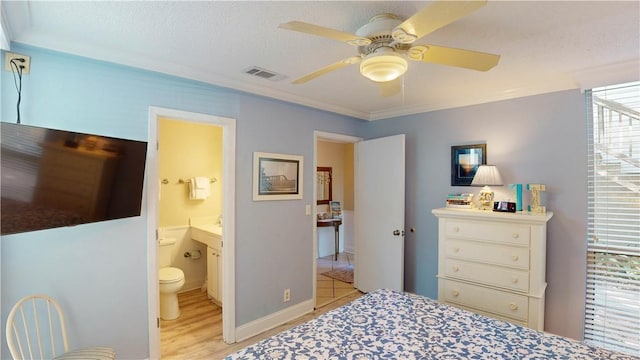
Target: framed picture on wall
277,176
465,160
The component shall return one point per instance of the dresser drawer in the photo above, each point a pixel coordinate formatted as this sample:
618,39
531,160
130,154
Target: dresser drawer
503,318
489,231
508,278
73,161
484,252
484,299
70,175
56,184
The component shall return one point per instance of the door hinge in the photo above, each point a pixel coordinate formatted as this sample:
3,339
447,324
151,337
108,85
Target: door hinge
158,322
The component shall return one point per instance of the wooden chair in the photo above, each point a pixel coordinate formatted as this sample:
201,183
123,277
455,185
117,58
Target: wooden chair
36,330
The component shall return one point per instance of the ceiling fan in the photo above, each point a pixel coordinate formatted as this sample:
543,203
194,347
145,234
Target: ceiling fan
385,42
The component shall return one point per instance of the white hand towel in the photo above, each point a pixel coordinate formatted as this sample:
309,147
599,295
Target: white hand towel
199,188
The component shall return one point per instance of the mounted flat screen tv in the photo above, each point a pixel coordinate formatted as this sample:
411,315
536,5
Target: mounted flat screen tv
53,178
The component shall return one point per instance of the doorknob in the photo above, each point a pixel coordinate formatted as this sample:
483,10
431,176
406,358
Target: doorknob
398,232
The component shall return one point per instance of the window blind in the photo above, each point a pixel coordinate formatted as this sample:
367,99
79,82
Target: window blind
20,157
612,312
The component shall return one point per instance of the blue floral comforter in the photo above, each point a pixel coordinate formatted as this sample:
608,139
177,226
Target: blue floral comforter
386,324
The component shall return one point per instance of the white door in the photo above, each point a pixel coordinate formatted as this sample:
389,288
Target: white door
379,213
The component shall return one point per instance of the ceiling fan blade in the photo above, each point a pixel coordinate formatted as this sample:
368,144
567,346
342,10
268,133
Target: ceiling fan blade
390,88
467,59
326,69
346,37
433,17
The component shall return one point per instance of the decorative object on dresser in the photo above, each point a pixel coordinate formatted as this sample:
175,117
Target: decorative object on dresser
516,191
465,160
504,206
487,175
535,206
493,263
463,201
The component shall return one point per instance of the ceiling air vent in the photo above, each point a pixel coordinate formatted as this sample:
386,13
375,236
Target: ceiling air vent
264,73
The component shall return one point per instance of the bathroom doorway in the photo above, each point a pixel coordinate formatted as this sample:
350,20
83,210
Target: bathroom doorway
213,159
333,258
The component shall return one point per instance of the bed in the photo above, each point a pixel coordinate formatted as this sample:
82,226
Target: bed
386,324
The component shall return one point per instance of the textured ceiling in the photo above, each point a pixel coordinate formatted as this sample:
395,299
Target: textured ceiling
545,46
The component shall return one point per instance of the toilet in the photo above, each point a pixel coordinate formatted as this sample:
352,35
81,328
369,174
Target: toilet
171,281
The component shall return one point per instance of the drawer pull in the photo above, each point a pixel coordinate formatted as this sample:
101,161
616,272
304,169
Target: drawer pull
456,229
513,306
456,249
515,235
455,293
514,257
514,279
455,269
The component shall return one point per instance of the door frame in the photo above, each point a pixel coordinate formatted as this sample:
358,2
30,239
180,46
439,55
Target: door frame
228,213
327,136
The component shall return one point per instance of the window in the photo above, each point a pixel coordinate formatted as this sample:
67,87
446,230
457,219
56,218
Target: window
612,315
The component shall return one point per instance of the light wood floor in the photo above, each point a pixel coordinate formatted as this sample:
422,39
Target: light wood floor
328,289
197,333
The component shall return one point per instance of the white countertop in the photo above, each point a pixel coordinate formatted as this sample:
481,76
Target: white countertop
208,234
211,228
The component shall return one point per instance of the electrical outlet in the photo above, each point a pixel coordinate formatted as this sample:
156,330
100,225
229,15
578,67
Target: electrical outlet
8,56
287,295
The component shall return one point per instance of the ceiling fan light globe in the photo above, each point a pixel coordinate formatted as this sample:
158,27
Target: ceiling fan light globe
383,67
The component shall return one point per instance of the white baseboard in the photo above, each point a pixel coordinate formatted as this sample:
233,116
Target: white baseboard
269,322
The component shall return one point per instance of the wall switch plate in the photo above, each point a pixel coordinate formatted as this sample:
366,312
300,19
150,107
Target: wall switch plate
287,295
8,56
307,210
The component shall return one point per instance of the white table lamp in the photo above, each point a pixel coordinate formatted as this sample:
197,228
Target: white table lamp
486,175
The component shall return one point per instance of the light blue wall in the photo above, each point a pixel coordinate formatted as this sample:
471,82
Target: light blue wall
98,271
537,139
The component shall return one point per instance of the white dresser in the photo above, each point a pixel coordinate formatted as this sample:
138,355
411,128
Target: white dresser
493,263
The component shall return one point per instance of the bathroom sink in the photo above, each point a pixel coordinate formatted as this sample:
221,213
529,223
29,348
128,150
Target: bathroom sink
208,234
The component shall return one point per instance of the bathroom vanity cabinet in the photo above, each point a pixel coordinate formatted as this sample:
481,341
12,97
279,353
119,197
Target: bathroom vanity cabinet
211,236
214,274
493,263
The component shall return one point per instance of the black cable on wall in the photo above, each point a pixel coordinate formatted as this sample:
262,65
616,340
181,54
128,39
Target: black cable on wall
17,68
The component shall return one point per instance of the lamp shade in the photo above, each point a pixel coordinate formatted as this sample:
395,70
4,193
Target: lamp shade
487,175
383,66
